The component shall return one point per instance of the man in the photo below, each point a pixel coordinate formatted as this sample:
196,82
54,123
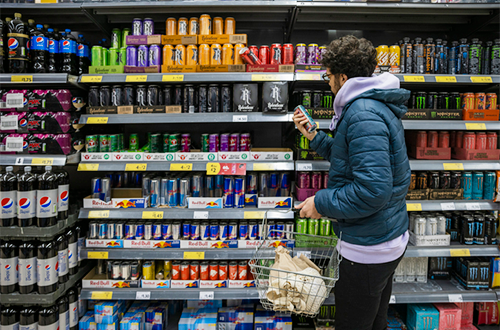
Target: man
369,179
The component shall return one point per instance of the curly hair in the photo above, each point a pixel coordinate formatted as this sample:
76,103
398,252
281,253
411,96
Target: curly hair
351,56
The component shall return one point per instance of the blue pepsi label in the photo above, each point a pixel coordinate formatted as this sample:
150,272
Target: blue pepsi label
80,52
67,46
53,46
39,43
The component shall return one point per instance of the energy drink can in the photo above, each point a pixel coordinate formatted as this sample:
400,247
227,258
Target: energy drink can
273,184
164,191
209,187
148,231
205,144
129,231
194,270
479,229
176,230
119,230
228,196
239,192
104,143
176,270
224,142
431,226
489,185
223,270
420,226
195,231
125,270
111,231
156,231
139,231
284,190
324,227
233,271
103,230
183,192
196,184
205,231
213,271
467,230
186,230
477,185
172,193
166,230
251,184
311,125
96,187
154,197
289,230
270,230
279,229
245,142
213,145
134,270
204,271
214,231
313,227
93,230
148,271
218,185
116,270
253,230
243,270
243,230
223,230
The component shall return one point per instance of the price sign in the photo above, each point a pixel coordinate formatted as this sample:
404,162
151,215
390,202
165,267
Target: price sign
253,215
304,167
99,214
446,79
263,167
200,215
143,295
213,168
240,118
448,206
136,78
392,300
475,126
97,255
227,169
21,79
309,76
97,295
194,255
413,207
152,214
206,295
459,252
97,120
91,79
175,77
42,161
473,207
265,77
181,167
481,80
88,167
453,298
136,167
414,78
14,100
8,123
453,166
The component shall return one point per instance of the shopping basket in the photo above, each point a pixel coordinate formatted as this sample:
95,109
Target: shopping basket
301,292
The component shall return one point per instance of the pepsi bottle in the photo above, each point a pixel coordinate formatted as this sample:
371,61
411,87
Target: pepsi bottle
81,242
31,26
72,237
62,258
46,212
9,318
53,51
8,197
73,309
8,267
63,309
48,318
39,47
28,318
27,267
46,262
17,44
63,194
82,55
26,198
67,47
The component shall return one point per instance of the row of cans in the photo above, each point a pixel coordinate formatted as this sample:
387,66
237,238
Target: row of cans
318,227
309,54
204,25
314,180
303,142
104,143
211,270
277,54
141,56
204,54
452,101
457,139
102,56
313,98
119,270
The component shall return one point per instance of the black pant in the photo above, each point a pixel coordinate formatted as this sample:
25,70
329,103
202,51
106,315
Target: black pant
362,295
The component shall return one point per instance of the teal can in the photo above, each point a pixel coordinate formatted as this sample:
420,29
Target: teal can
489,185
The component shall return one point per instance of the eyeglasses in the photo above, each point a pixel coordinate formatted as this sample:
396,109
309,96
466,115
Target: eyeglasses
326,77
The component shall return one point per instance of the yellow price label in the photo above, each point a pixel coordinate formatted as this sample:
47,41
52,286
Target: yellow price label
310,76
460,252
446,79
253,214
453,166
152,214
21,79
99,214
42,161
181,167
413,207
136,167
475,126
97,255
88,167
91,79
265,77
105,295
97,120
213,168
135,78
414,78
194,255
175,77
263,167
481,80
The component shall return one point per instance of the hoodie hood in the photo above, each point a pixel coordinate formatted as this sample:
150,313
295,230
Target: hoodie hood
384,88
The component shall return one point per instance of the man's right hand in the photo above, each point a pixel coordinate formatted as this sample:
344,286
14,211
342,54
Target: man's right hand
299,119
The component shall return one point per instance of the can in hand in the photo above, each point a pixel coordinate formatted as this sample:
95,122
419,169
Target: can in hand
311,125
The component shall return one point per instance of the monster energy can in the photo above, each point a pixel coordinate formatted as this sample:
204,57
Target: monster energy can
306,99
301,226
328,100
313,227
324,227
303,142
421,100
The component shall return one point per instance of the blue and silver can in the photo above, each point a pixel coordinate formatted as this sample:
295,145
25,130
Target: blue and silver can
467,185
139,231
105,194
166,230
186,230
119,230
164,191
223,230
477,185
137,179
111,231
239,193
228,196
195,231
183,192
196,186
176,229
156,232
172,193
154,197
96,187
273,184
93,230
280,228
214,230
103,230
232,230
205,231
284,190
253,230
251,184
489,185
209,187
129,231
218,185
263,185
243,230
146,189
148,231
270,230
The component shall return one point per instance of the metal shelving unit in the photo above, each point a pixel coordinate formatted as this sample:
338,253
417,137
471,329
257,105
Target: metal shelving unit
39,232
38,160
440,165
460,205
432,124
418,78
455,250
28,79
173,254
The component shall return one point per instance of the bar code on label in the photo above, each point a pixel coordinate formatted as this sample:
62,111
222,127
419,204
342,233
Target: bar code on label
239,38
14,144
286,67
8,122
15,100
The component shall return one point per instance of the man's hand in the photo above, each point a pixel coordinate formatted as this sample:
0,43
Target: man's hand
308,209
299,119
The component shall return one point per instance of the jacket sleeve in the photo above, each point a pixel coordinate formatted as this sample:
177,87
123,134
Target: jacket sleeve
322,144
369,158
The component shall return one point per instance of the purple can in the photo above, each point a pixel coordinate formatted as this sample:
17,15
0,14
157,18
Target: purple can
137,27
245,142
234,142
154,55
224,142
300,54
304,180
185,142
213,143
142,56
316,180
148,27
131,56
326,177
312,54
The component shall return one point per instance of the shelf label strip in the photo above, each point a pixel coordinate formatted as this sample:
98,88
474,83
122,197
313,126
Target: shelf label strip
98,214
42,161
414,207
152,214
459,252
136,167
97,255
106,295
453,166
194,255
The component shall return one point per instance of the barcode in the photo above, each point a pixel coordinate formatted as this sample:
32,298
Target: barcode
14,145
239,38
3,105
8,123
287,67
15,100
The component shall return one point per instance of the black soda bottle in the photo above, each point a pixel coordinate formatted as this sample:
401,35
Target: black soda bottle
82,55
67,47
475,56
48,318
63,194
27,267
53,51
495,58
17,44
62,258
9,318
2,46
486,62
31,27
46,267
39,47
28,318
63,309
72,237
73,309
8,267
26,198
46,211
8,198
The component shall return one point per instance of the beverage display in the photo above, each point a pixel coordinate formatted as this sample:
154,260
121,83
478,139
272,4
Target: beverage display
8,197
47,196
452,101
26,198
17,43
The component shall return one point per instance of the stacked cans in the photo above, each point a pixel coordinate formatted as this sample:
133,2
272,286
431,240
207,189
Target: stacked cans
271,184
312,180
114,55
119,270
211,270
313,99
104,143
203,25
135,230
452,101
454,139
276,54
101,188
225,142
143,56
204,54
318,227
309,54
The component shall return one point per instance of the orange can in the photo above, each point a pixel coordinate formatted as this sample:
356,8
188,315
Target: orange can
204,54
168,55
180,55
230,25
218,25
382,55
192,55
171,26
491,101
480,101
394,53
182,26
468,101
205,24
237,57
194,27
216,55
227,54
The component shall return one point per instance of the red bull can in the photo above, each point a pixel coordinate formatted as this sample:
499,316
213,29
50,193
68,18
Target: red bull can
289,230
195,231
139,231
164,191
166,230
148,231
96,187
239,193
205,231
270,230
172,193
251,185
183,192
196,184
111,231
284,185
156,231
214,231
186,230
103,230
279,229
223,230
243,230
119,230
176,230
273,184
93,230
154,197
311,125
228,195
232,230
210,186
261,231
129,231
253,230
218,185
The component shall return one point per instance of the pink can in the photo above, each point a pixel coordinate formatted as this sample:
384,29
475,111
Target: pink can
459,139
491,140
316,180
234,142
245,142
481,141
304,180
326,177
185,142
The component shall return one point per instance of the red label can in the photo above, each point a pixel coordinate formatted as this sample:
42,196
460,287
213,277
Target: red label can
249,57
432,139
213,271
491,140
255,50
176,270
223,269
481,141
287,54
444,139
480,101
453,138
459,139
233,270
326,177
194,271
242,271
275,54
264,54
185,270
204,271
469,141
421,139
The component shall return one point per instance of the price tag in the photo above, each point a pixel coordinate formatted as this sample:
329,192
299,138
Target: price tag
98,214
106,295
481,80
414,78
181,167
19,161
475,126
473,206
8,123
414,207
97,120
310,76
14,143
213,168
194,255
175,77
91,79
448,206
226,168
265,77
15,100
253,215
152,214
143,295
263,167
42,161
21,79
446,79
240,118
392,300
88,167
455,298
459,252
453,166
206,295
200,215
136,167
304,167
136,78
97,255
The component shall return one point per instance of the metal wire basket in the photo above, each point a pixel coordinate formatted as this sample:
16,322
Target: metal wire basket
300,292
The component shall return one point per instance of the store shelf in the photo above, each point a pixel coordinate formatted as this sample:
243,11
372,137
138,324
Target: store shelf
38,160
7,79
460,205
410,78
451,125
174,254
312,165
440,165
202,214
456,249
39,232
188,118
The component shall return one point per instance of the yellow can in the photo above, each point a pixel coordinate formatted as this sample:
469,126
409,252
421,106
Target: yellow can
168,55
167,268
215,55
148,271
394,53
227,54
194,27
230,26
204,54
205,24
182,26
180,55
171,26
382,55
237,57
192,55
218,25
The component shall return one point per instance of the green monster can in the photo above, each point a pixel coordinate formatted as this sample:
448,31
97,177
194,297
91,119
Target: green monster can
114,142
97,58
303,142
125,33
205,142
313,227
173,142
301,225
105,56
92,143
113,56
324,227
155,143
306,99
104,143
116,38
122,56
133,143
166,137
